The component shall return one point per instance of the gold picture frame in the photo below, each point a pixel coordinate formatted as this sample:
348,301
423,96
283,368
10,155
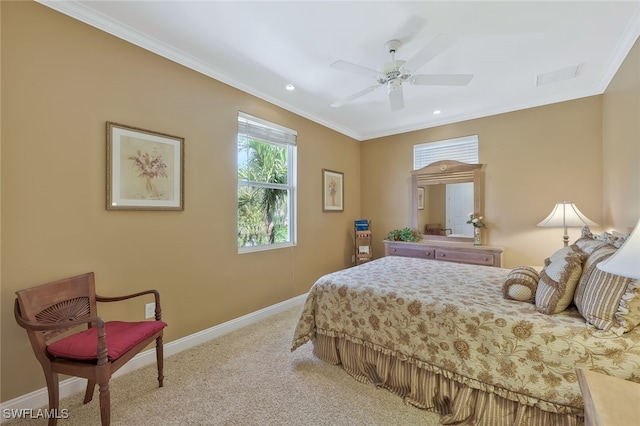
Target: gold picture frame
332,191
145,169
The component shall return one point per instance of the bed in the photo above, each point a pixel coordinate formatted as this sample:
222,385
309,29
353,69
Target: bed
446,338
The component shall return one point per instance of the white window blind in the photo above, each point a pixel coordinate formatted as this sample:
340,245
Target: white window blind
464,149
256,128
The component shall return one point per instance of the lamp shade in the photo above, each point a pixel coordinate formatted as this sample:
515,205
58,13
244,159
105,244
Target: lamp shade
626,260
566,214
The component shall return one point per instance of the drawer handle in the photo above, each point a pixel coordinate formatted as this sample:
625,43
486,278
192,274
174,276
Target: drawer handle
428,253
442,255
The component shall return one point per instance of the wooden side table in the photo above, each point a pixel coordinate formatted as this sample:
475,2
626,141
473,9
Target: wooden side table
608,401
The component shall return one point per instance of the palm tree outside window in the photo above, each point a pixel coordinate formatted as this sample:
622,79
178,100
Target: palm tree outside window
266,191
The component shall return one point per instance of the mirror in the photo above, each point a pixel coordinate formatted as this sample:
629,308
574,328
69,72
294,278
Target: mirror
432,186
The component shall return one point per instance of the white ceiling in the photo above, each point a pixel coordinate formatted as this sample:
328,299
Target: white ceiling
261,46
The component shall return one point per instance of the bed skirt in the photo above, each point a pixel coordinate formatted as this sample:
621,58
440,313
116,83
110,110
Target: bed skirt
458,399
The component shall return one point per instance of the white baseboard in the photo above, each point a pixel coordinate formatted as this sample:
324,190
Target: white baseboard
40,398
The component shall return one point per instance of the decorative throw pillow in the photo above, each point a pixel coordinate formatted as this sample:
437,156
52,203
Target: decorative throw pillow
588,242
589,268
600,298
609,302
628,314
558,280
521,284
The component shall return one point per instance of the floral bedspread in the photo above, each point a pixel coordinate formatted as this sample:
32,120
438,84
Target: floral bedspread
453,316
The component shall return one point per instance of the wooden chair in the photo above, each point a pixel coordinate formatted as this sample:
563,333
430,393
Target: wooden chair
46,311
433,229
436,229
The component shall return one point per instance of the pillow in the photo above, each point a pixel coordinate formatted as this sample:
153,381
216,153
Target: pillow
589,268
558,280
588,242
521,284
628,314
600,297
608,302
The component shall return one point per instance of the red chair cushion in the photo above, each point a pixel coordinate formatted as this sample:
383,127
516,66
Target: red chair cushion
121,336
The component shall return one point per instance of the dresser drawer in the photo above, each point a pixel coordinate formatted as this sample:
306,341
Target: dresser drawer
465,257
446,251
421,252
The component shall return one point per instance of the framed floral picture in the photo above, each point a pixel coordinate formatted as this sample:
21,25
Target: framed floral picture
145,169
332,191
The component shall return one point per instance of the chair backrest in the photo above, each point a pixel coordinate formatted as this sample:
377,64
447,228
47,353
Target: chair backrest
67,299
433,229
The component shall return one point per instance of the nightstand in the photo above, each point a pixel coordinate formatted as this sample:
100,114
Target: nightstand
608,401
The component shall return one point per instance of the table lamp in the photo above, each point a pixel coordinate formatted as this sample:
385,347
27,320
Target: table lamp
626,260
565,214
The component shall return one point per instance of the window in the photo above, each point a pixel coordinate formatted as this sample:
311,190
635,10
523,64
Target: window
464,149
266,184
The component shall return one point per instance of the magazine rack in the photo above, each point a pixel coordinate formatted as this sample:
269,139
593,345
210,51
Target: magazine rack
363,248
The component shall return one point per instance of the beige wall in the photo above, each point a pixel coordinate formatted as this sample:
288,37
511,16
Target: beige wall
534,158
621,145
62,80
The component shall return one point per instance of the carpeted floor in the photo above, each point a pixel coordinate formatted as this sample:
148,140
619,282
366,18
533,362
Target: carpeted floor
247,377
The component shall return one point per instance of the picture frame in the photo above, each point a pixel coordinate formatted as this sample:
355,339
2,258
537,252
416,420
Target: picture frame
332,191
420,198
145,169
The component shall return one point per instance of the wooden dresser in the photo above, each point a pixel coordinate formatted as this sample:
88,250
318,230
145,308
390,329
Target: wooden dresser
446,251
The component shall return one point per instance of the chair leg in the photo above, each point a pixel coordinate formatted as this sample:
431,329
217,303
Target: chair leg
160,360
105,403
88,395
54,395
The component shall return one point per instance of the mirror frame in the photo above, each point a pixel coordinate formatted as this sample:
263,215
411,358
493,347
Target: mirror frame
443,172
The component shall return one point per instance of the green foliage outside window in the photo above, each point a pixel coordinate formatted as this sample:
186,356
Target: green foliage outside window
263,197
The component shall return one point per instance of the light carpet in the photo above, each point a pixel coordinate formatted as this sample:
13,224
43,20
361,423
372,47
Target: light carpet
247,377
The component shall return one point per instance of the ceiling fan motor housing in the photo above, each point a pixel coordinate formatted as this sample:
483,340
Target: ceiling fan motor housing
391,70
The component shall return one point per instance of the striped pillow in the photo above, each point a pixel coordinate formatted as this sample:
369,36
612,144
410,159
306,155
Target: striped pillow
608,302
521,284
600,298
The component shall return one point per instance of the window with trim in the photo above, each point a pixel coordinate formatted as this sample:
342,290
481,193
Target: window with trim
464,149
266,184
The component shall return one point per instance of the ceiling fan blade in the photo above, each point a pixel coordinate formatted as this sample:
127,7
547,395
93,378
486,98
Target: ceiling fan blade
354,96
441,79
428,52
396,98
358,69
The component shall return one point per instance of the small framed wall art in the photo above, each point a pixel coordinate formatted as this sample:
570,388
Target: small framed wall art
421,198
145,169
332,191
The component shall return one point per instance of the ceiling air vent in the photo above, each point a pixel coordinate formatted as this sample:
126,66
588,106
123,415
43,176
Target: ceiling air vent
563,74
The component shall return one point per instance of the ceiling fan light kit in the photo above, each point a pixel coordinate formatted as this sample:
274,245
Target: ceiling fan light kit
396,72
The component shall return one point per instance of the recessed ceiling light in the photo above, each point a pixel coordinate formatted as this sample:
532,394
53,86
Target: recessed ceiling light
290,87
436,112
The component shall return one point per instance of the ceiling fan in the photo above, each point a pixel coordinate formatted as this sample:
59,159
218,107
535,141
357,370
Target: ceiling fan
396,72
